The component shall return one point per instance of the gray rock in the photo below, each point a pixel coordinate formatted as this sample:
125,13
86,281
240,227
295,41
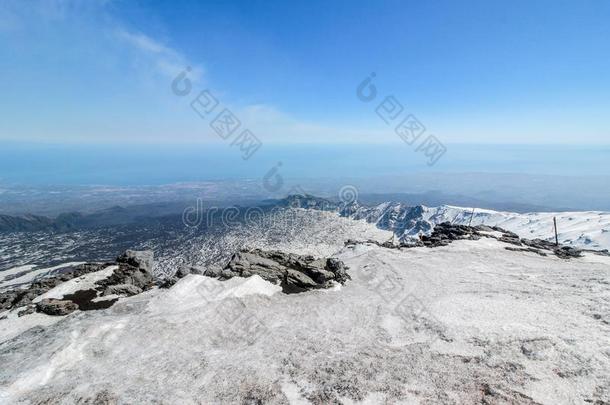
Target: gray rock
213,271
167,282
135,268
52,306
484,228
338,268
184,271
141,259
30,309
198,270
567,252
19,297
299,281
122,289
295,273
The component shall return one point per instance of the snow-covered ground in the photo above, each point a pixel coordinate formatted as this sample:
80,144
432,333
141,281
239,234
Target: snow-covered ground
24,275
467,323
583,229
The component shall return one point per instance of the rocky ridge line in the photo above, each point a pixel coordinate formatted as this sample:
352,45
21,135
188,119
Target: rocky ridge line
445,233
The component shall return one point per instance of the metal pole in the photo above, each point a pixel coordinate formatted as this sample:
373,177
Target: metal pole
555,227
471,215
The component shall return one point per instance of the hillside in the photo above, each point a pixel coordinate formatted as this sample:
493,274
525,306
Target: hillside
471,322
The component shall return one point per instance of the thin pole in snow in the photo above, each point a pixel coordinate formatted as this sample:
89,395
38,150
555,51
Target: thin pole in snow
555,227
471,215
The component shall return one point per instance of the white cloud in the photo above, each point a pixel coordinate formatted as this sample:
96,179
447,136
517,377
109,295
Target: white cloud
162,58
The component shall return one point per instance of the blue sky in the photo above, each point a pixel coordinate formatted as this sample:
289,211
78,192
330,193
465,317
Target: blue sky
471,71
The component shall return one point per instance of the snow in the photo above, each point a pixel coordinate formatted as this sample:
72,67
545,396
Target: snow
195,291
31,276
13,325
584,229
412,326
15,270
84,282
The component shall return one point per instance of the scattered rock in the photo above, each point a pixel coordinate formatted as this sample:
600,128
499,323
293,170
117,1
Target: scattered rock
52,306
445,233
529,249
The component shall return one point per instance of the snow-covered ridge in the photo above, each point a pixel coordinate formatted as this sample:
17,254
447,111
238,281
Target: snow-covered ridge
586,229
471,321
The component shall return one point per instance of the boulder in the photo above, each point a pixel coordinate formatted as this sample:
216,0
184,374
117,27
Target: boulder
52,306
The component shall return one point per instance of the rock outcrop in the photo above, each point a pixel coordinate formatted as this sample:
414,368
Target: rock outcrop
19,297
51,306
445,233
294,273
182,272
135,269
133,276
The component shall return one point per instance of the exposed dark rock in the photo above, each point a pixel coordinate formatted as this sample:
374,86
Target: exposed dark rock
135,268
528,249
19,297
122,289
445,233
338,268
184,271
52,306
87,300
510,238
30,309
134,275
484,228
141,259
167,282
567,252
295,273
213,271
